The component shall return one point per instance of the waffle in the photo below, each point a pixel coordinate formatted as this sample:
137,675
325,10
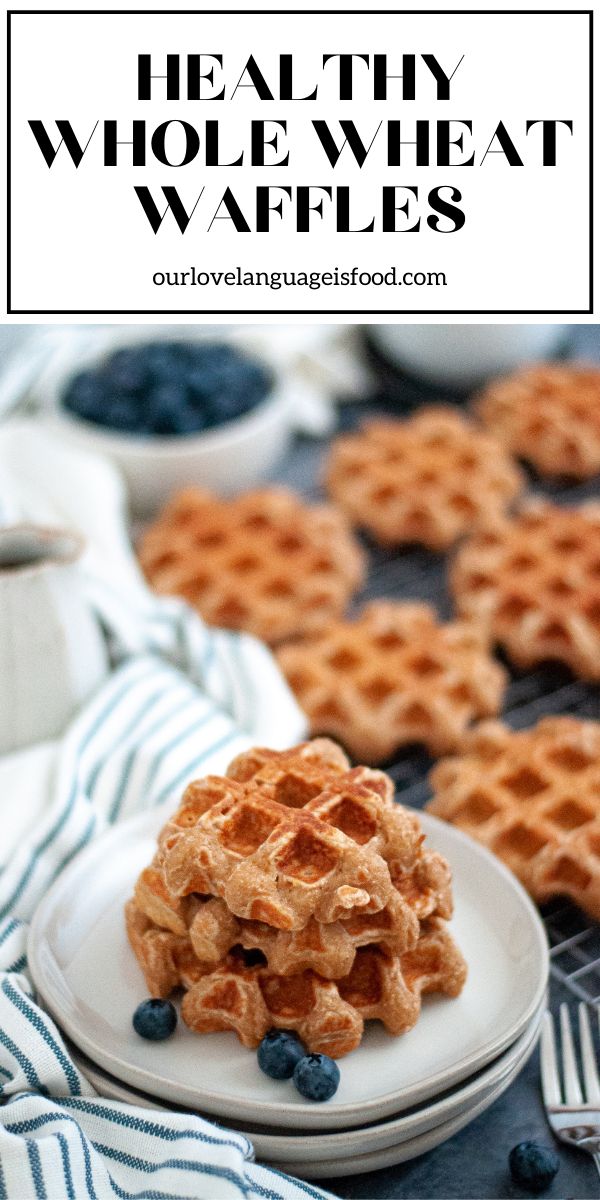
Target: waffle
329,950
359,800
167,959
392,677
429,479
320,755
282,852
352,811
328,1016
533,797
367,814
264,562
275,864
535,583
548,415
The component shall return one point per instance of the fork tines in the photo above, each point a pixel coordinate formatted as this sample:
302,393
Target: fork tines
577,1088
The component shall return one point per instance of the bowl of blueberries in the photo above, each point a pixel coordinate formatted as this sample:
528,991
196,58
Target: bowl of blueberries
171,412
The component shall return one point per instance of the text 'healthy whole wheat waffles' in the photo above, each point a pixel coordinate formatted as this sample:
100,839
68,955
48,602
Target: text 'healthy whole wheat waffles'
295,894
548,415
264,562
534,583
429,479
394,676
533,797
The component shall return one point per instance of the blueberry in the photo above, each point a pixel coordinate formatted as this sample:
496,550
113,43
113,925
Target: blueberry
162,362
533,1166
279,1052
164,422
155,1019
101,414
127,369
226,383
173,394
190,420
229,405
212,355
317,1077
164,406
121,414
84,394
203,380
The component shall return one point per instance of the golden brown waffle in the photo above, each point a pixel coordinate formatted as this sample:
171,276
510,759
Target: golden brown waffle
167,959
548,415
265,562
367,814
394,676
342,853
429,479
329,1016
359,801
329,950
534,582
533,797
222,824
320,755
250,1001
275,864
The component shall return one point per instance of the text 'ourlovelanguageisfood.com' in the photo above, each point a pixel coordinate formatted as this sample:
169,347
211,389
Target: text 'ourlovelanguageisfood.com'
314,280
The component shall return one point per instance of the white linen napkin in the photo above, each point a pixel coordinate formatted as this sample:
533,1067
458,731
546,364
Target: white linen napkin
181,701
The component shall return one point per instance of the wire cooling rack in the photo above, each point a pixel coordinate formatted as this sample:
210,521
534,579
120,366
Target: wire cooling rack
415,573
574,950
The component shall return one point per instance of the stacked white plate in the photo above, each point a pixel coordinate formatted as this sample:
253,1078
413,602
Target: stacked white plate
398,1097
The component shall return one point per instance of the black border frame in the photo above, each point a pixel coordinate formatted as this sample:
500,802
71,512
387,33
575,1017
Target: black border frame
161,312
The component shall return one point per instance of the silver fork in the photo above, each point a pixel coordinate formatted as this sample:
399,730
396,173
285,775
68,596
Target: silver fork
574,1111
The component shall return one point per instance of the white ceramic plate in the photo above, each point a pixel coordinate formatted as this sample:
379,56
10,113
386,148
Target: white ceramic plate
359,1164
271,1144
88,978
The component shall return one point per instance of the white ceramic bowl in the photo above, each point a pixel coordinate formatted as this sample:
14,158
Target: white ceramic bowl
464,355
226,459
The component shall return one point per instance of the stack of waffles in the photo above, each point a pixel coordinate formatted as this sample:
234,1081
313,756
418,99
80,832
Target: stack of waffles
294,893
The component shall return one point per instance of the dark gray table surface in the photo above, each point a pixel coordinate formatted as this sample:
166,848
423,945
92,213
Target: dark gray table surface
474,1163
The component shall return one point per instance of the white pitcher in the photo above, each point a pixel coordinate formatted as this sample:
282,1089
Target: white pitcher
52,652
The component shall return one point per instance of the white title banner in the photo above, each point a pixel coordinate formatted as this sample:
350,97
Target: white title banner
299,162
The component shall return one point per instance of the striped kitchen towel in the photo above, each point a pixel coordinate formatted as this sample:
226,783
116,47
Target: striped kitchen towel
135,745
181,701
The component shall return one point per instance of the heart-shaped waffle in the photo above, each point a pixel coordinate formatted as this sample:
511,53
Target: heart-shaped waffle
533,797
328,1015
275,864
429,479
265,562
329,950
534,583
393,676
548,415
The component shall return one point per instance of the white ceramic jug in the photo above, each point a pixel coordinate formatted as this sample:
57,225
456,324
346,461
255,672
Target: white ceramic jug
52,652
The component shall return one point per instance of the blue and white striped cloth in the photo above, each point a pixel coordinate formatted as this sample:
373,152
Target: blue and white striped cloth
181,701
